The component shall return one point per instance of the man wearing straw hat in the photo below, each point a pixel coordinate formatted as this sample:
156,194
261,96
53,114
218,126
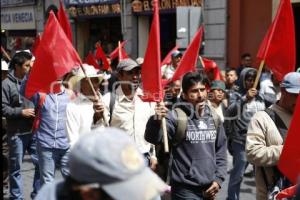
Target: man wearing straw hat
82,113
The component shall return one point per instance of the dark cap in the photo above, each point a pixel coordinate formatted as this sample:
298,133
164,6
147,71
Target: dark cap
217,84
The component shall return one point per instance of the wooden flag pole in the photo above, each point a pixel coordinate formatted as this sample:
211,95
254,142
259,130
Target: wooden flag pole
5,53
202,63
165,135
261,66
99,98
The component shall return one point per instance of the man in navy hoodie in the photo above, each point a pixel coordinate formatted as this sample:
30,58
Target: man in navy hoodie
198,161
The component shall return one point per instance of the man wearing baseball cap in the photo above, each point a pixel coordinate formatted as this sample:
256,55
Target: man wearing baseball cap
167,71
267,132
126,109
105,164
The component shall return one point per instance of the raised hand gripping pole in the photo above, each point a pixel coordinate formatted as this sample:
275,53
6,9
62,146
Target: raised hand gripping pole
99,98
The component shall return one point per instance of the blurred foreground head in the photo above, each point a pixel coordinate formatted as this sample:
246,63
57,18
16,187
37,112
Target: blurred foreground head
108,159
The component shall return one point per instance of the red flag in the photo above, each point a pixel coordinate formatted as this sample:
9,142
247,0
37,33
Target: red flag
289,162
212,65
278,47
90,59
55,57
151,70
115,52
287,193
189,58
122,53
36,44
100,55
64,21
167,59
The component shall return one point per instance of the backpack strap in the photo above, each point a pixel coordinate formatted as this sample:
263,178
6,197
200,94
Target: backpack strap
37,119
112,102
278,122
181,126
215,116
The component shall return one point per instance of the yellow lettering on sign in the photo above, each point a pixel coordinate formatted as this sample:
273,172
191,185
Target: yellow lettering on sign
116,8
146,6
196,3
94,10
165,4
174,3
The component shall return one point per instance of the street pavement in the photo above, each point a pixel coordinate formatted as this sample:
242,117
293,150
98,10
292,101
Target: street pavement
247,189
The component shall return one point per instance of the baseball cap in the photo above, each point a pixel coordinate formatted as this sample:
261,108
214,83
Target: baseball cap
109,157
291,82
127,64
217,84
176,53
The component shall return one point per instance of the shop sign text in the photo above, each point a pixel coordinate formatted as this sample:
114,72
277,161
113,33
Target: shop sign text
146,5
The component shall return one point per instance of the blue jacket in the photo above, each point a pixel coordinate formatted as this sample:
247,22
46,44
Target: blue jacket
200,158
51,132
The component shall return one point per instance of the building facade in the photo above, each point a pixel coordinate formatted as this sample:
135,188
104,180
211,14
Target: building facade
232,27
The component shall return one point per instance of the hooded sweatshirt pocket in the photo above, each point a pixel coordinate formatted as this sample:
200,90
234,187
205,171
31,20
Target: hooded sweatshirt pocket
202,170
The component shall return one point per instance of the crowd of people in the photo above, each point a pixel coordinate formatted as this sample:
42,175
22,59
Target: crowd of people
206,120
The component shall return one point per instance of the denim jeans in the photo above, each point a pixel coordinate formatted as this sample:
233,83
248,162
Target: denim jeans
237,172
18,145
51,159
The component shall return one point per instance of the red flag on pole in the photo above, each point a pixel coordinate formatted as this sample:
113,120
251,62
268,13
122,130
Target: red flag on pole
189,58
210,65
36,43
64,21
167,59
100,55
55,57
151,70
121,52
278,46
115,52
289,162
90,59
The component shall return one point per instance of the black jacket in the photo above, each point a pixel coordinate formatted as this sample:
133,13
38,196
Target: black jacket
12,105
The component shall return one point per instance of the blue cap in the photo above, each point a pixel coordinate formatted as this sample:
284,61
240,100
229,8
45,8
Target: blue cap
108,158
291,82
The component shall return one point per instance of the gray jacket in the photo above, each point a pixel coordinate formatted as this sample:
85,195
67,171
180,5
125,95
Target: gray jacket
13,104
240,111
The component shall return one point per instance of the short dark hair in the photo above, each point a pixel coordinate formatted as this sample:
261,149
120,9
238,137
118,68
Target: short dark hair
244,55
53,8
229,69
192,78
250,74
19,59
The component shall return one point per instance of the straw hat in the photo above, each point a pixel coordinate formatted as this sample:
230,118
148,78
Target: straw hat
90,71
